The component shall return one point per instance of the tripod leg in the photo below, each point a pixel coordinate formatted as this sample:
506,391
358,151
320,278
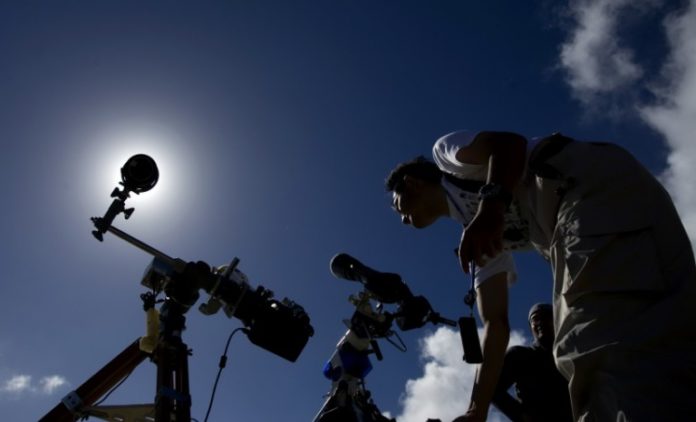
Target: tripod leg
173,401
182,384
99,384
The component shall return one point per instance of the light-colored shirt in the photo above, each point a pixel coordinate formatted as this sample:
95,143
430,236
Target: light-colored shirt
463,204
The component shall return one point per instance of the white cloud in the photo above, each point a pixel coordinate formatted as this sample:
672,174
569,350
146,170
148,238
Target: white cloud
21,384
444,389
599,68
674,116
594,59
17,384
51,383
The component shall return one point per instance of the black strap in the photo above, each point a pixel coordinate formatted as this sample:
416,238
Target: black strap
470,298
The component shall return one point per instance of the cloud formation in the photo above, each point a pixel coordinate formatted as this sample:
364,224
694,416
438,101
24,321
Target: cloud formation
48,385
20,384
444,389
17,384
595,61
600,66
674,114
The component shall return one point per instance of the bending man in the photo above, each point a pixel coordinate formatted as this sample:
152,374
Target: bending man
623,267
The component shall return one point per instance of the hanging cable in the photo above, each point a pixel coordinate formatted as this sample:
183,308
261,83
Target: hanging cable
221,366
401,346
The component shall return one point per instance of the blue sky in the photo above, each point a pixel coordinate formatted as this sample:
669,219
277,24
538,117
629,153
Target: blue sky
274,125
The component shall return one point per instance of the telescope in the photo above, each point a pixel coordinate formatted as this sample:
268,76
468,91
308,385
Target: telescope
349,400
388,288
281,327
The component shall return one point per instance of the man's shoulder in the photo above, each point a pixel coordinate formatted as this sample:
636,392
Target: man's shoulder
519,349
518,353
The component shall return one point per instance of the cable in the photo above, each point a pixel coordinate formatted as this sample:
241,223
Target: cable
401,347
221,365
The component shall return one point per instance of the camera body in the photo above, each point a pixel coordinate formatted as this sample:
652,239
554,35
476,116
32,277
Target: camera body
281,327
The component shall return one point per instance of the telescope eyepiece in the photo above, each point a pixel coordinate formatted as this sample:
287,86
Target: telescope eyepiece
387,287
139,174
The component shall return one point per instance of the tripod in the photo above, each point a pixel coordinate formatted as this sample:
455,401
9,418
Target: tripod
281,327
172,399
164,347
349,400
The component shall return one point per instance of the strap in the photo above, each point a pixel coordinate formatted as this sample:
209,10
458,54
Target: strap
470,298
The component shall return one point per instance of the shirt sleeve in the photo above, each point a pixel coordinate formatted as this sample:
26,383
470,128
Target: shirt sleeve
445,155
502,263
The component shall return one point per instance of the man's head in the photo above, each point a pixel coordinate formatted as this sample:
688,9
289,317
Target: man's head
541,323
416,192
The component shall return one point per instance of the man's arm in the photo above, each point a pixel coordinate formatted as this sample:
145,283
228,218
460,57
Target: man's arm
502,399
492,304
508,151
506,154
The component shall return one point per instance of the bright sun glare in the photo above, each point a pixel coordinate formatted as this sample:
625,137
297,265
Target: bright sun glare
112,168
117,148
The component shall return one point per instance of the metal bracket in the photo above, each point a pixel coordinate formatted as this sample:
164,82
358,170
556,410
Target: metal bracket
123,413
72,401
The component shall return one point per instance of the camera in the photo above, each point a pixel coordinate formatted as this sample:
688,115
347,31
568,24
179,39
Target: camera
280,326
139,174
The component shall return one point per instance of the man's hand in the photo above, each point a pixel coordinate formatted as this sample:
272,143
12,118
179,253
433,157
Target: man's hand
482,239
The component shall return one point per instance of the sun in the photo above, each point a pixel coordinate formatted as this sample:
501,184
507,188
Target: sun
155,148
108,154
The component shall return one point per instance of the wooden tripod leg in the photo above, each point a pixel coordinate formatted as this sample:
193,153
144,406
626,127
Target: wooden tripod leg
98,385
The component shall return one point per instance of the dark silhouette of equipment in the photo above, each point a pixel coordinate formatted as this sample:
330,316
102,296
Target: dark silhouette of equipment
281,327
349,400
139,174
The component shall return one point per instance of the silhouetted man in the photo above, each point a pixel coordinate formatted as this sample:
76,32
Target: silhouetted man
542,392
624,273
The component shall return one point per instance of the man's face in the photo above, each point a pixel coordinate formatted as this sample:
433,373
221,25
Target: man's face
542,326
410,200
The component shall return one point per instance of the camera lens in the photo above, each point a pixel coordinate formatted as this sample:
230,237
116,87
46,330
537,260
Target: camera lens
140,173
